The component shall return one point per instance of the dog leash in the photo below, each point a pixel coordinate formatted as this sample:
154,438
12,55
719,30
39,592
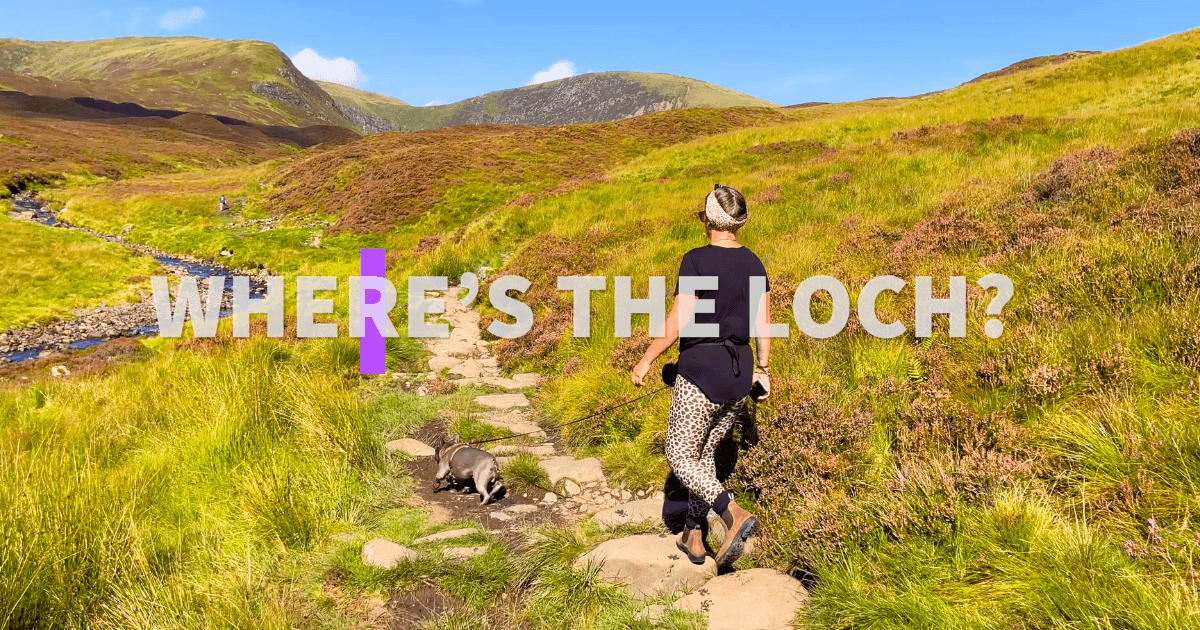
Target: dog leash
576,421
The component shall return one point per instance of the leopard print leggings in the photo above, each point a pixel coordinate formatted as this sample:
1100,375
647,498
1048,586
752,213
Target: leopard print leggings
695,427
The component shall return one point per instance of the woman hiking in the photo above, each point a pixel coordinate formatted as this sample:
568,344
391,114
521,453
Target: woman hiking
715,374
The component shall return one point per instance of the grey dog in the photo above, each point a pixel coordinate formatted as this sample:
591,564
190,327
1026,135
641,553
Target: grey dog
461,462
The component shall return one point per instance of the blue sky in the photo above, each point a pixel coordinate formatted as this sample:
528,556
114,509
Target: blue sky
787,52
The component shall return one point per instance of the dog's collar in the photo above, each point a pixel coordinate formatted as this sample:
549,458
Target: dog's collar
454,448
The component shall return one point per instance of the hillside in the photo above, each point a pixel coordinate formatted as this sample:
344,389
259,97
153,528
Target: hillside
374,112
247,80
596,97
1043,479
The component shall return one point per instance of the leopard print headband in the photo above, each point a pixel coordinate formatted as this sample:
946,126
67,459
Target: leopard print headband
718,218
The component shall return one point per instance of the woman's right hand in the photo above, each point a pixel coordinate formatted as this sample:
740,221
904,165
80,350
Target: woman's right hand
638,375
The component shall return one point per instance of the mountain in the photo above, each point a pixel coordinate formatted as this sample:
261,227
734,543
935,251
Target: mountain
246,80
373,112
596,97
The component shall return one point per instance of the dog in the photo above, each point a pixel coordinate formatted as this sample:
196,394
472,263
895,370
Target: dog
461,462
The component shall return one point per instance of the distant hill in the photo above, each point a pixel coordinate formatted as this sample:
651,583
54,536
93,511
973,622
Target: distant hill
373,112
242,79
597,97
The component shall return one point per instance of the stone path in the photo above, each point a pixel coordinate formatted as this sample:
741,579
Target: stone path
645,565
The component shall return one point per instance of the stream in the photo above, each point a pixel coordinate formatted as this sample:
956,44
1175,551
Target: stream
94,326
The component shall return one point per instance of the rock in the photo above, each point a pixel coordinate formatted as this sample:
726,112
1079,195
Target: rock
541,450
572,488
642,511
527,379
500,516
462,553
641,494
550,498
503,401
514,421
523,508
754,599
567,467
446,535
648,565
651,613
626,495
659,495
437,364
60,371
466,369
385,554
413,447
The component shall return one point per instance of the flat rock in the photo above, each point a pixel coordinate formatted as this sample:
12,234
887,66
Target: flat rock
541,450
521,508
446,535
500,516
567,467
437,364
385,554
462,553
754,599
514,421
503,401
642,511
466,369
648,565
416,448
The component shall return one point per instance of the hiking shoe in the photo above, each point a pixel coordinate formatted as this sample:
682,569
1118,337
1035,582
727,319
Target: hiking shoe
691,542
740,525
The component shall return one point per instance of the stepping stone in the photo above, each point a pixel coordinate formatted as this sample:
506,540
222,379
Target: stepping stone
437,364
523,508
648,565
462,553
518,381
514,421
446,535
385,554
566,467
466,369
500,516
550,498
416,448
503,401
754,599
642,511
541,450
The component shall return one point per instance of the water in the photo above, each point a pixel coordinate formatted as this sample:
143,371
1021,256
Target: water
27,203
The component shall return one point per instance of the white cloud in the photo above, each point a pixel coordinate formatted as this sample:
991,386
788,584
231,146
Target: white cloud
435,102
560,70
176,19
340,70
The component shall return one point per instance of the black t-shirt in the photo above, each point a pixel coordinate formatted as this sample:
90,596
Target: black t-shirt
723,373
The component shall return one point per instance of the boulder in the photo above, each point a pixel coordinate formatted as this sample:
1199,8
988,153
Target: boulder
385,554
754,599
648,565
503,401
416,448
642,511
567,467
437,364
446,535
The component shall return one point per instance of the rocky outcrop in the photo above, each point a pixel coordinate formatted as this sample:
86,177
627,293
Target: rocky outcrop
365,122
588,98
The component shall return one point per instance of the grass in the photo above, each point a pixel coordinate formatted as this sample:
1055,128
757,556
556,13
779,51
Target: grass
47,273
1044,479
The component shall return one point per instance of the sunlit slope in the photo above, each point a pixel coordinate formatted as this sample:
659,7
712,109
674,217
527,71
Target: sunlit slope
248,80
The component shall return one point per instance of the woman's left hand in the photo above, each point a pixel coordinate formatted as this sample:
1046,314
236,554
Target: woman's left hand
638,375
765,379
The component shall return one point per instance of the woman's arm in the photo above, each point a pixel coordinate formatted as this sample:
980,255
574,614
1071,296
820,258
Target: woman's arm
762,345
683,304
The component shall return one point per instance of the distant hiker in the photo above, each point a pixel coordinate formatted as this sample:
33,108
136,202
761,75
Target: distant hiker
715,375
224,206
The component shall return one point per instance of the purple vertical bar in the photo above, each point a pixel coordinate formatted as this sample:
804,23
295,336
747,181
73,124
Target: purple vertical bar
372,358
